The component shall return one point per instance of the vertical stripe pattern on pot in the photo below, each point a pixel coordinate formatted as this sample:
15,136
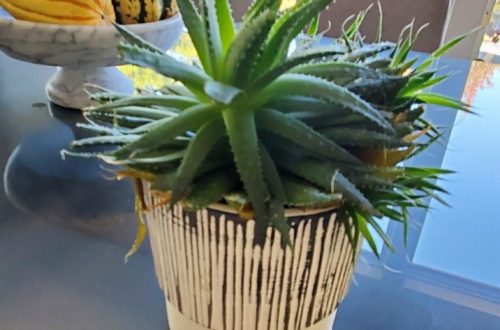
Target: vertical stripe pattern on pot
214,275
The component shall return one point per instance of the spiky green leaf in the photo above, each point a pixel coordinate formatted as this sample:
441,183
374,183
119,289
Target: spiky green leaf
298,84
133,39
360,137
443,100
196,153
303,135
197,32
169,101
302,194
242,132
226,23
285,29
276,208
211,189
166,65
244,52
214,36
168,129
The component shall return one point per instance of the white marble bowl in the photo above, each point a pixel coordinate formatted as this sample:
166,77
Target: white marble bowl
84,54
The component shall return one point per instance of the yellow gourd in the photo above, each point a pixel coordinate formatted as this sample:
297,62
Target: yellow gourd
67,12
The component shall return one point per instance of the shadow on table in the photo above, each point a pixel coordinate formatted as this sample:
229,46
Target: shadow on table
72,192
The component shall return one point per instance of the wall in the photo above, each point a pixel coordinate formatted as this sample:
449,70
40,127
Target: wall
448,18
397,14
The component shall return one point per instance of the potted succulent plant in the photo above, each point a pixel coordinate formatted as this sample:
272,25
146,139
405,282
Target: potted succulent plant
260,172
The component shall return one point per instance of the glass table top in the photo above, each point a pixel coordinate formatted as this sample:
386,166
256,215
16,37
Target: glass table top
463,239
64,228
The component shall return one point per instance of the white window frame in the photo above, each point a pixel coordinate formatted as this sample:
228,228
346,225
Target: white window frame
463,17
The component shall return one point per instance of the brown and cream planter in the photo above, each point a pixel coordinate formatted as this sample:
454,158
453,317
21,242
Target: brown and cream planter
214,276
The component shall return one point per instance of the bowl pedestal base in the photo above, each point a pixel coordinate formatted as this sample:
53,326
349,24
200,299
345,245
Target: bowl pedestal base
67,86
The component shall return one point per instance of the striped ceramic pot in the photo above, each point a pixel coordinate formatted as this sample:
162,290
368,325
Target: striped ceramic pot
215,277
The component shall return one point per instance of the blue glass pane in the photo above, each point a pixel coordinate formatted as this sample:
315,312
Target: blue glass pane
384,223
464,239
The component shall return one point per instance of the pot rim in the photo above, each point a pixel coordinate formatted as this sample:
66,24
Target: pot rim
289,212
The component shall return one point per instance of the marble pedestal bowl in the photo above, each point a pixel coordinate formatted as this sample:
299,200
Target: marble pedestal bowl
84,54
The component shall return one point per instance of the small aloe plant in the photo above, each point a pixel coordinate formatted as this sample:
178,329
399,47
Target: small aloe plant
261,130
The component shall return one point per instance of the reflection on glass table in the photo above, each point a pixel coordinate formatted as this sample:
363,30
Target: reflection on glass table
463,239
447,276
69,192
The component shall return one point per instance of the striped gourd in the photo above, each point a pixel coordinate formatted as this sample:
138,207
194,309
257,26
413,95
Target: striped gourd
138,11
68,12
169,8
